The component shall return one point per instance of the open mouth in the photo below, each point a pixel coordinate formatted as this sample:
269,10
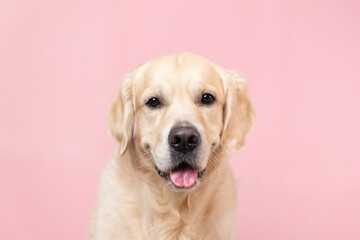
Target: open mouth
183,176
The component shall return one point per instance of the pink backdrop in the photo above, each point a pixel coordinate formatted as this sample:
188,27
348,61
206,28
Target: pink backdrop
61,63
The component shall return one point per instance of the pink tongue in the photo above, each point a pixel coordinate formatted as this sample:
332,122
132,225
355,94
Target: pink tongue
184,178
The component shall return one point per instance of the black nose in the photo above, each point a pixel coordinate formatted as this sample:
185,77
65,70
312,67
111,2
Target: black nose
184,139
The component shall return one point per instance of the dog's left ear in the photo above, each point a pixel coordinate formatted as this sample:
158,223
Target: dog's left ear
238,114
121,117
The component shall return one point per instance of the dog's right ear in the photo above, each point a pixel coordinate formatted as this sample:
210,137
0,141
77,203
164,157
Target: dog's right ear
121,117
238,111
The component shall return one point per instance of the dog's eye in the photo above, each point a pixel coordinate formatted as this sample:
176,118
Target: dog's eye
207,99
153,102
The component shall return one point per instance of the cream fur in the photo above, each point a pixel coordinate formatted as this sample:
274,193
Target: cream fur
134,201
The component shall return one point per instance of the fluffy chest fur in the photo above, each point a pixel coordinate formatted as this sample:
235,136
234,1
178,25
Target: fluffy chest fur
140,207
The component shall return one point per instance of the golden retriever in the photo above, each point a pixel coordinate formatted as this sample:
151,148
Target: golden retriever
169,177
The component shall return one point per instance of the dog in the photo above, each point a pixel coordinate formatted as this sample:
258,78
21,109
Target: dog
169,178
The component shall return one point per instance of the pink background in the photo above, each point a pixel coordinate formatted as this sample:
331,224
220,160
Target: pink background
61,63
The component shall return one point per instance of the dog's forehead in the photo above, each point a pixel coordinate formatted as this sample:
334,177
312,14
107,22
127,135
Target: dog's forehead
181,70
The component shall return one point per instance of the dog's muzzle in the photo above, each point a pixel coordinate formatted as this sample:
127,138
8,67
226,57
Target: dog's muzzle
184,142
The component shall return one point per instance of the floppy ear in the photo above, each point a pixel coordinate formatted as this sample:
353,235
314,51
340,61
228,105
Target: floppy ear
238,111
121,117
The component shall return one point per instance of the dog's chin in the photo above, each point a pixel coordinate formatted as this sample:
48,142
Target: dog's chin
182,177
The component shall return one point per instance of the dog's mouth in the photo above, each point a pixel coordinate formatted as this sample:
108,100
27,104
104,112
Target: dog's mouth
184,176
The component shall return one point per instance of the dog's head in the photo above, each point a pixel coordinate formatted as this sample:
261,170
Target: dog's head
175,111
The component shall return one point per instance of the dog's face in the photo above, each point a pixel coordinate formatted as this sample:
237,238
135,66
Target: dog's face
176,110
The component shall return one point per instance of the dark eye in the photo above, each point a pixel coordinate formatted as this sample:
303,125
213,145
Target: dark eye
153,102
207,99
